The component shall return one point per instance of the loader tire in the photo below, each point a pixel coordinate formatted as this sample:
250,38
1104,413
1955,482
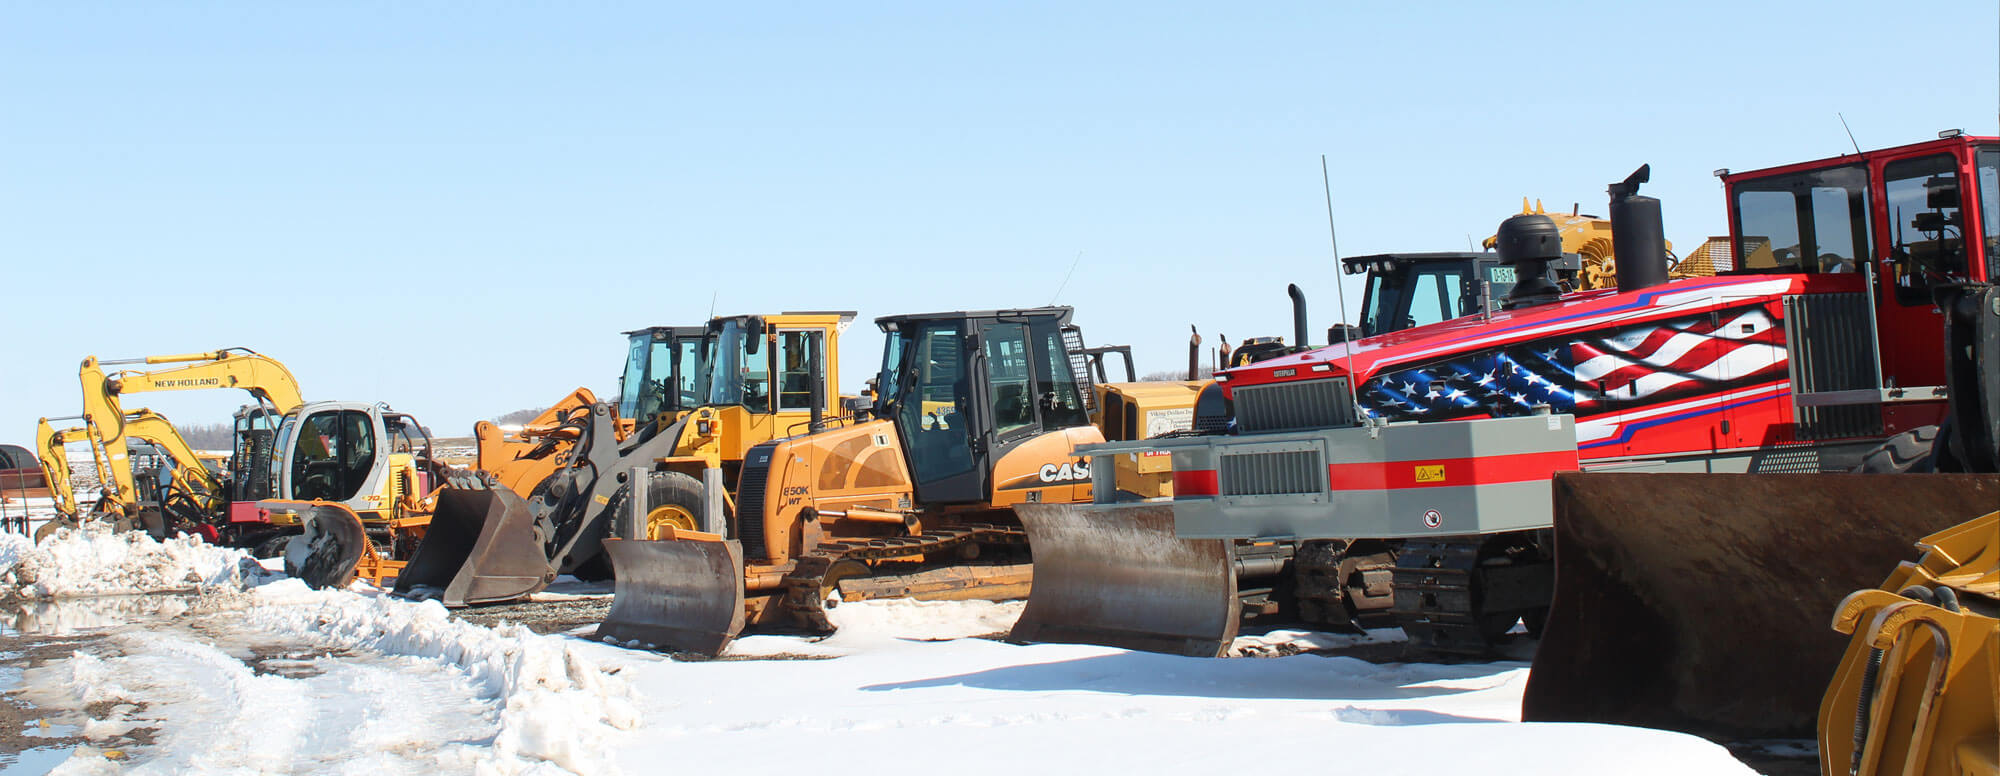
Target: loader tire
671,497
1911,452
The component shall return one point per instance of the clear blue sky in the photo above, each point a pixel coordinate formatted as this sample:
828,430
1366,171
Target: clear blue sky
456,207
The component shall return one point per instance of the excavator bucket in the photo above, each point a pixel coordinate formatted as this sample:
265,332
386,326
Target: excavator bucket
326,553
684,596
1699,602
1117,576
480,548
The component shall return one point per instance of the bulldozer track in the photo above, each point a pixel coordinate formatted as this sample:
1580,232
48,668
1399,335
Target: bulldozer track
805,585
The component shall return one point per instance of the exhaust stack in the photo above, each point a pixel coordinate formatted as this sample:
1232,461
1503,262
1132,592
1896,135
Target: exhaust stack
1300,340
1638,237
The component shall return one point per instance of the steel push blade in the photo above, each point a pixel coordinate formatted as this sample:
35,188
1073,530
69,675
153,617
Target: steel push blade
675,595
1118,576
1700,602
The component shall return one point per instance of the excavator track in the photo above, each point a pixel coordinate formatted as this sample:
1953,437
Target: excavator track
1461,594
1338,583
805,585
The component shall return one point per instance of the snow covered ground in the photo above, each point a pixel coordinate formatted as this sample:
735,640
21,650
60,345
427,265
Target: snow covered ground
245,672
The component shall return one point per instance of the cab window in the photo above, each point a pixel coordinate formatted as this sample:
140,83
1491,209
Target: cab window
1056,389
1804,222
335,451
796,352
1926,229
1988,162
1007,378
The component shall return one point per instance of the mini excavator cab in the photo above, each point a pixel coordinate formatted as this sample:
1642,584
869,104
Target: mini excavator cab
964,388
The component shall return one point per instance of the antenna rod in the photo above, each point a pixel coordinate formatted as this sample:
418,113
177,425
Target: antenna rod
1065,280
1340,289
1850,132
711,302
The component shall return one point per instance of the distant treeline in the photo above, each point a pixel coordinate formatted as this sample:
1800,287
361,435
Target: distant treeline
519,416
213,436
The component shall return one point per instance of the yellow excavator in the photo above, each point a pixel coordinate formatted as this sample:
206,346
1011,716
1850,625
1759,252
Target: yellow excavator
184,499
975,413
363,467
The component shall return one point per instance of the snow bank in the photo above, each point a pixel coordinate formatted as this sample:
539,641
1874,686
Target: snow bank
1291,642
557,706
94,560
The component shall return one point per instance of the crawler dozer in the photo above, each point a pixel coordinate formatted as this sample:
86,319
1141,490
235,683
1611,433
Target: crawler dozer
978,413
1414,468
694,401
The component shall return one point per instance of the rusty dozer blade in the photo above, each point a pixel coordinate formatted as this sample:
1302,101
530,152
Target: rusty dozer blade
480,548
684,596
1117,576
326,553
1699,602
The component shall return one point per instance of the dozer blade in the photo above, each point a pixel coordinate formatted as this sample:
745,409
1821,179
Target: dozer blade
480,548
1118,576
326,553
1699,602
684,596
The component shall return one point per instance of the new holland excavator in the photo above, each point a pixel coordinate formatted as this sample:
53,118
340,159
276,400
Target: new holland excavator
699,398
322,482
976,414
1415,467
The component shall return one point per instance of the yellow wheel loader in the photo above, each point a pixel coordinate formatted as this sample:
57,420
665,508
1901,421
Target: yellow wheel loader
976,413
1918,689
702,398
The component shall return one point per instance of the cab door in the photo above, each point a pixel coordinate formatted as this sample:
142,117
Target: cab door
935,394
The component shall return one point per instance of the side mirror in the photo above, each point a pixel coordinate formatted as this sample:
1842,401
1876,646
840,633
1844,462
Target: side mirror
753,331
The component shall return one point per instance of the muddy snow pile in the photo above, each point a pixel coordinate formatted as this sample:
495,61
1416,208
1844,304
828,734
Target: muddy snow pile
93,560
557,706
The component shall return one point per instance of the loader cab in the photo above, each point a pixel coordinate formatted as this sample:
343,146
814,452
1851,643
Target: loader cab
963,388
1908,223
662,371
1407,290
758,376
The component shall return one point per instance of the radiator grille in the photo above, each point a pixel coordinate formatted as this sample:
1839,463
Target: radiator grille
750,501
1827,339
1303,404
1272,473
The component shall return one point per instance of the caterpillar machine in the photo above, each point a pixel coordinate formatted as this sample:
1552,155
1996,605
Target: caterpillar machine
1698,433
693,401
976,414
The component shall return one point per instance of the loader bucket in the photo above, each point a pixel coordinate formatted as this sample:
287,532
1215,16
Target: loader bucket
480,548
683,596
326,553
1699,602
1117,576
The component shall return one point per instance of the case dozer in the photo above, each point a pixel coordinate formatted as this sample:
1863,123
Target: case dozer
693,401
1413,469
976,414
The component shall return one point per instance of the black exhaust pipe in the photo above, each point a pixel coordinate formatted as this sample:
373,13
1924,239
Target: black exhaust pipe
816,374
1194,353
1638,236
1301,341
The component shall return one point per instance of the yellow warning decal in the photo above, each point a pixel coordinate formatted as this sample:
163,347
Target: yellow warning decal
1430,473
604,500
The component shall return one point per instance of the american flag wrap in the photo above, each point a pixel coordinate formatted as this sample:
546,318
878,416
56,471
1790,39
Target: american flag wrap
1629,367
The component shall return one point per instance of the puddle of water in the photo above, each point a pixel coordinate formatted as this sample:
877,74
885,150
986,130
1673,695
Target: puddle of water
34,762
46,729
